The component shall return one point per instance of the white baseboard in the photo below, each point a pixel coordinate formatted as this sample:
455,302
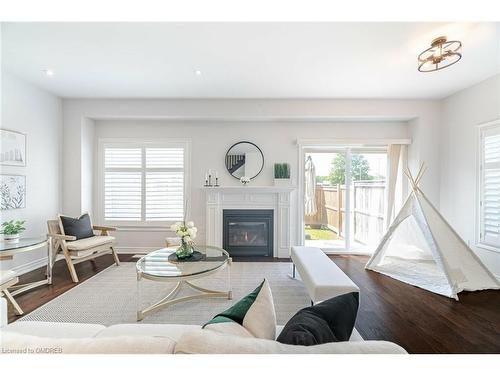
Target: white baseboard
30,266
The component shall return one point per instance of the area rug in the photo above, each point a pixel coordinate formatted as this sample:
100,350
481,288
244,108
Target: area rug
110,297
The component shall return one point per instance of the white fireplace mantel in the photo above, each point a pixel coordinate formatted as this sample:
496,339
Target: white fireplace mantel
276,198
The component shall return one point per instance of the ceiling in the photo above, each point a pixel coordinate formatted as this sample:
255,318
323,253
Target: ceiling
245,60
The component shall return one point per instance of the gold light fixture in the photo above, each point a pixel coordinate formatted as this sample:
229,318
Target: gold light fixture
442,54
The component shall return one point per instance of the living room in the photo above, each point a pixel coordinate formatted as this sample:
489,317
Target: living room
232,193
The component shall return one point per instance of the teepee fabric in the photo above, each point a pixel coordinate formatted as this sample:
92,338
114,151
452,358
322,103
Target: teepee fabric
420,248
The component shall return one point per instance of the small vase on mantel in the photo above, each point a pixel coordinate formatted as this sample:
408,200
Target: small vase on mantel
244,180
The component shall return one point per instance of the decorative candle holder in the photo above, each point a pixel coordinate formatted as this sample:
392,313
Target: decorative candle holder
209,179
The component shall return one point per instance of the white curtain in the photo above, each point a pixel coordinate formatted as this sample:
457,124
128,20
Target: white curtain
310,208
393,155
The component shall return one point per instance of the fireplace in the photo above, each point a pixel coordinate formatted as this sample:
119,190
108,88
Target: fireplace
248,233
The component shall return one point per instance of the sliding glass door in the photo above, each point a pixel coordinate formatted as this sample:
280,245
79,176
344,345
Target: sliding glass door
368,192
324,201
349,195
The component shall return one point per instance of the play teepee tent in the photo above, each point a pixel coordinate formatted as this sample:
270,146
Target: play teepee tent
420,248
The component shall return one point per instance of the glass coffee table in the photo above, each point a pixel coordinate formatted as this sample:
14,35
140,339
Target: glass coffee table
163,266
9,249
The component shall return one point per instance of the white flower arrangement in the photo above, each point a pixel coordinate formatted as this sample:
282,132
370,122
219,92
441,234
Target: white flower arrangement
185,230
244,180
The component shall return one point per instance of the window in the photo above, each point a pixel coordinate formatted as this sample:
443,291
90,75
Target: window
143,182
489,185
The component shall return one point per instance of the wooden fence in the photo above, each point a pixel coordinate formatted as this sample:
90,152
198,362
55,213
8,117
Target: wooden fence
368,201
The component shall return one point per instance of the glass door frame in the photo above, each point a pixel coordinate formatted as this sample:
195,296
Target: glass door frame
334,146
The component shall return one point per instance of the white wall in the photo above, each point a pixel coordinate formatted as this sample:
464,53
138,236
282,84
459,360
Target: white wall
210,141
423,127
461,113
88,155
27,109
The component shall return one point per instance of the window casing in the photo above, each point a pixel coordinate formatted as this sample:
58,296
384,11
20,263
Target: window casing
489,186
143,183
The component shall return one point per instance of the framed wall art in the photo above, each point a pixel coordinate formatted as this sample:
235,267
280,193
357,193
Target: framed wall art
12,191
12,148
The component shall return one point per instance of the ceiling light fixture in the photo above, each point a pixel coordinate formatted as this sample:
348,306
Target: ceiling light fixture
197,72
48,72
442,54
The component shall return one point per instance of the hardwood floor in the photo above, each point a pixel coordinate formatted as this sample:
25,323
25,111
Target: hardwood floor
420,321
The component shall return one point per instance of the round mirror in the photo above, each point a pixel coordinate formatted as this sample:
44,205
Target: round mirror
244,159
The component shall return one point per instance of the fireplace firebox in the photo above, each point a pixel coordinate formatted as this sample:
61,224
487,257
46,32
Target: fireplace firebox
248,233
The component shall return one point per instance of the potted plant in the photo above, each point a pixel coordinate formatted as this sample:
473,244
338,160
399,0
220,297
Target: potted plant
12,229
281,174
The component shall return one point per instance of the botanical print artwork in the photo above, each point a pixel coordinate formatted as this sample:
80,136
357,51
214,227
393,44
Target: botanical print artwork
12,148
12,192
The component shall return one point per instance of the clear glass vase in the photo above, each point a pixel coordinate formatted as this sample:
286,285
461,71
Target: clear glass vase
184,251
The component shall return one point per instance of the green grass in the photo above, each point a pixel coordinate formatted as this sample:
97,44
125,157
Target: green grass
320,234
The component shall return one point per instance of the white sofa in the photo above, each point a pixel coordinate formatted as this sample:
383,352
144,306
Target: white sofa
34,337
67,338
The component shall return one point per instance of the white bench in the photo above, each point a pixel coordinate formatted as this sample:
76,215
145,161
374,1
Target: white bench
321,276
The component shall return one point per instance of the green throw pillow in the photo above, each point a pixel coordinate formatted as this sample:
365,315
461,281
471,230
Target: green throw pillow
255,312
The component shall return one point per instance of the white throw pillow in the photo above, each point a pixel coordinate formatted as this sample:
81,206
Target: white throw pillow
260,319
254,313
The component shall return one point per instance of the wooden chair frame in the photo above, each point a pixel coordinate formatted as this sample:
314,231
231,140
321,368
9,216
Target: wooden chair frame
4,290
59,246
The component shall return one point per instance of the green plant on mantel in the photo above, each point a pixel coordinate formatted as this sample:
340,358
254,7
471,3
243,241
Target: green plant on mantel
13,227
282,170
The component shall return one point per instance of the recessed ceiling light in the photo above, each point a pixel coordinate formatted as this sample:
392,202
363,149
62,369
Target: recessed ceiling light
48,72
197,72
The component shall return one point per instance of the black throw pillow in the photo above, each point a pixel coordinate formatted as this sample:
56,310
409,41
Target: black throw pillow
329,321
80,227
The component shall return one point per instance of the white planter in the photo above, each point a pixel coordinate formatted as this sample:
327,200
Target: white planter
282,182
11,237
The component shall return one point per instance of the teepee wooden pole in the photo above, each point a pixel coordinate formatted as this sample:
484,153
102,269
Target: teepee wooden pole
408,174
420,174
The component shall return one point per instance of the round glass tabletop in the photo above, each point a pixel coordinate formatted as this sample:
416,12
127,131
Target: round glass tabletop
21,243
163,264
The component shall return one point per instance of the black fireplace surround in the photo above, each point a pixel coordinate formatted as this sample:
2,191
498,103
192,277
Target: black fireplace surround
248,233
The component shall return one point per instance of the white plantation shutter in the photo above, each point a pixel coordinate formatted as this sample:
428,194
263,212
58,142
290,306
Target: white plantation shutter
490,187
143,183
122,196
123,158
164,184
122,184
